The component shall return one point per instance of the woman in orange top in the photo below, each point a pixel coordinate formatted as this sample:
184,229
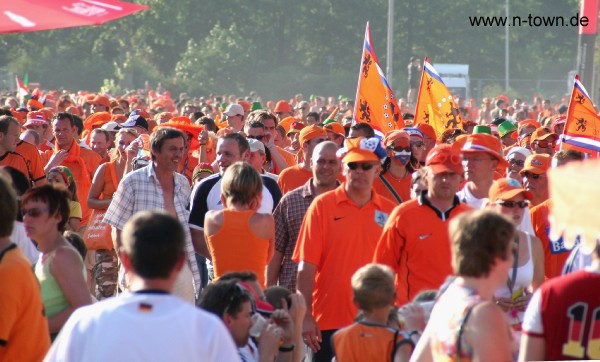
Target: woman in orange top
101,262
239,238
397,169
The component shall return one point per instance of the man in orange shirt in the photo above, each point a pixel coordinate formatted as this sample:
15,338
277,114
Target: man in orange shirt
337,237
82,162
555,253
9,137
535,178
24,332
297,175
415,241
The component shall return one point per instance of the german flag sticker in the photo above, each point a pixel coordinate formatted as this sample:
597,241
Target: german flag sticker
145,307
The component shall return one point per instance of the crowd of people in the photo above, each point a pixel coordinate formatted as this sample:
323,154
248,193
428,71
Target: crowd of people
222,228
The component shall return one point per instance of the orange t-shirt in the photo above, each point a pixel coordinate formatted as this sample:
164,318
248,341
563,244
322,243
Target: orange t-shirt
110,180
16,161
289,158
189,163
416,245
33,159
401,186
293,177
338,238
23,326
235,248
366,342
555,254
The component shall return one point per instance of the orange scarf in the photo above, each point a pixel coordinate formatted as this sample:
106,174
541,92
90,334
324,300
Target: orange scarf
74,157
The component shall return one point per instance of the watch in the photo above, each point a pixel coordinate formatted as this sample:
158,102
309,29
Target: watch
287,348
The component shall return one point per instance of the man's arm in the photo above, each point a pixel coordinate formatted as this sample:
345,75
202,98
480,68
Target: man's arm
274,267
306,286
199,242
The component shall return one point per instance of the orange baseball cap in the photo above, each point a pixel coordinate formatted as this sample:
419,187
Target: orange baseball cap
507,188
359,149
101,101
427,130
444,158
336,128
481,142
245,105
286,123
537,163
283,106
36,119
310,132
541,134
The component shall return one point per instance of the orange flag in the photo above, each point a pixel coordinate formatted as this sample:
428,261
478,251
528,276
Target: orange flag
582,129
375,102
435,105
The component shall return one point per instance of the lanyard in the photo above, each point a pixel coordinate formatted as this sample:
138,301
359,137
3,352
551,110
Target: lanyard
510,283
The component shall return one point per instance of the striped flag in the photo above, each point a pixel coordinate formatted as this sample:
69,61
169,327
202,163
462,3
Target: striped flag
375,102
435,105
582,129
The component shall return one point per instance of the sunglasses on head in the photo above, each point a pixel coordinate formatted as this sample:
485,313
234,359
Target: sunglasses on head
512,204
418,143
364,166
514,161
34,211
544,144
240,292
258,138
534,176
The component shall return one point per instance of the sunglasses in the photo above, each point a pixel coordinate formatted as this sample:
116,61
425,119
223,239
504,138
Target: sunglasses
534,176
512,204
401,149
34,211
258,138
364,166
240,293
515,162
418,144
544,144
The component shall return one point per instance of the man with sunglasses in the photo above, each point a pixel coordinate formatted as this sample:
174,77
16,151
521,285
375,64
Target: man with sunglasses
415,241
543,141
150,323
337,237
281,158
297,175
535,178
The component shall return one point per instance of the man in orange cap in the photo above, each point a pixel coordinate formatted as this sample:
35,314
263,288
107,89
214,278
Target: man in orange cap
293,134
331,246
297,175
283,110
9,136
543,141
335,132
415,242
534,176
482,154
101,103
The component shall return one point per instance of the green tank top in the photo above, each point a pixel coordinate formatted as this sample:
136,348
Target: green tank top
52,295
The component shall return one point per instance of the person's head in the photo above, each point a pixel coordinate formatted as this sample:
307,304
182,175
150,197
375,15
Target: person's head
325,164
309,137
361,130
233,304
373,287
542,141
241,185
361,164
255,130
509,198
429,138
481,155
335,132
167,146
153,245
100,104
77,242
258,154
397,147
417,142
64,129
481,241
62,177
508,133
231,148
418,183
527,127
269,121
9,134
31,136
312,118
37,121
294,134
282,110
9,209
516,161
274,295
45,210
534,176
123,139
100,141
563,157
302,109
201,171
445,172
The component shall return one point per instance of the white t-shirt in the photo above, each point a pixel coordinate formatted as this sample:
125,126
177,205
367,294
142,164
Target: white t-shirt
143,327
467,197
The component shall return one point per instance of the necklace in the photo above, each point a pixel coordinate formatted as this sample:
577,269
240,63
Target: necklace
397,178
